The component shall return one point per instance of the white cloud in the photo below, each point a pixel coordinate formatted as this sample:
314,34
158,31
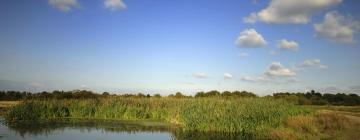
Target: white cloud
251,18
114,5
273,52
277,70
227,76
288,45
275,74
338,28
248,79
290,11
315,63
243,54
253,79
200,75
263,79
64,5
249,38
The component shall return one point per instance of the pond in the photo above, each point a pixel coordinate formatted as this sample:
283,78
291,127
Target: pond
95,130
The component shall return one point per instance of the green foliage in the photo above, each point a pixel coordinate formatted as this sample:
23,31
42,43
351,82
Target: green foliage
316,98
309,98
225,94
240,115
106,93
157,95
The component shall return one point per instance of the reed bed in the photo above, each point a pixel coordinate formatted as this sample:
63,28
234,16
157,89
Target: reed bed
243,115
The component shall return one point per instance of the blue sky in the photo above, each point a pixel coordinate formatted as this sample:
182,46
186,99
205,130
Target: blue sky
166,46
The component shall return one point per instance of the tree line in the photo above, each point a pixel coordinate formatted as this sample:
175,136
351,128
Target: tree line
316,98
84,94
308,98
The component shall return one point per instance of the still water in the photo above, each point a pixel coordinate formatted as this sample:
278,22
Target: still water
104,131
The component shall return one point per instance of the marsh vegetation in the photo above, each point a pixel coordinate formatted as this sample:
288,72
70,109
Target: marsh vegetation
231,114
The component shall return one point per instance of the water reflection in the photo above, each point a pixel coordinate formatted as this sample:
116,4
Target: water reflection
67,129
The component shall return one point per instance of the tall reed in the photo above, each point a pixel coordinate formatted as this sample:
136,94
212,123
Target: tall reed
242,115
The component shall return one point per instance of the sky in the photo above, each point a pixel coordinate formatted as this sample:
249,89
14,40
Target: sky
162,46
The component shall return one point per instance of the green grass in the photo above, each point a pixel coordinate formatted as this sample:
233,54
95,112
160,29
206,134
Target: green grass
263,118
347,110
247,115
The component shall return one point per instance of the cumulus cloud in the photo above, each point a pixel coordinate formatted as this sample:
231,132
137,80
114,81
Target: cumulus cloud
290,11
64,5
314,63
200,75
275,74
249,38
288,45
337,28
277,70
114,5
227,76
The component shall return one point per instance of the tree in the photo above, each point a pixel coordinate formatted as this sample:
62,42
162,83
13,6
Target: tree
106,93
200,94
179,95
157,95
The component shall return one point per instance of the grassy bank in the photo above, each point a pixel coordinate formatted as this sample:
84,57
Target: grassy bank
246,115
256,117
326,122
346,110
5,106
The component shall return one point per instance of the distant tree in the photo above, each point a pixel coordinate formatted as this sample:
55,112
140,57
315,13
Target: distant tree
243,94
179,95
213,93
308,98
157,95
226,94
200,94
140,95
105,93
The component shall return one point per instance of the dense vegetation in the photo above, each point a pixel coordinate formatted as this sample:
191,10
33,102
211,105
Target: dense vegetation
316,98
242,115
309,98
84,94
238,112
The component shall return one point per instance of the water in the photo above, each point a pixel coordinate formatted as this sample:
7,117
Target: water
86,130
